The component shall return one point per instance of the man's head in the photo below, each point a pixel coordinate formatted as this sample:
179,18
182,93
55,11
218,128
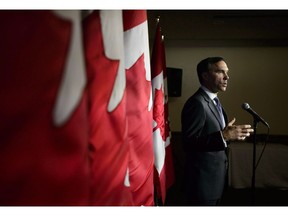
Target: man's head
213,74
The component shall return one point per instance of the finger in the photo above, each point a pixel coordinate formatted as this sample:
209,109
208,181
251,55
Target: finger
247,130
246,135
241,137
231,122
245,126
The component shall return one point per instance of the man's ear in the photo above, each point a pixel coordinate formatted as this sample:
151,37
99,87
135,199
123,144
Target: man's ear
205,76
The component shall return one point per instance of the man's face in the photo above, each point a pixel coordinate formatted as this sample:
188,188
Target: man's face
217,78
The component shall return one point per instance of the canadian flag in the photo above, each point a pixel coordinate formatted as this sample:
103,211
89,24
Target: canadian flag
169,163
43,126
109,150
139,106
161,129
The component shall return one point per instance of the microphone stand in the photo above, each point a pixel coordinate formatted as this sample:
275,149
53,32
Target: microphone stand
254,162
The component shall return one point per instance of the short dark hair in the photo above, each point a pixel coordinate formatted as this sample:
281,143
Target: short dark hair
205,64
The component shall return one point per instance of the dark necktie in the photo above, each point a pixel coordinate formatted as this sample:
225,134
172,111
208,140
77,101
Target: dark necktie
219,108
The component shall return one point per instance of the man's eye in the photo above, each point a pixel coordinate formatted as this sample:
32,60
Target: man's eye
221,71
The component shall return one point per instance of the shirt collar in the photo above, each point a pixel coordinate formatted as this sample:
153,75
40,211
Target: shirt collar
209,93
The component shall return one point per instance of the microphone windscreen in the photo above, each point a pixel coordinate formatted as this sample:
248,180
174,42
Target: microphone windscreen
245,106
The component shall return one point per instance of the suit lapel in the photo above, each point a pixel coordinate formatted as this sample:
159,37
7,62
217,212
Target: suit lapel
212,107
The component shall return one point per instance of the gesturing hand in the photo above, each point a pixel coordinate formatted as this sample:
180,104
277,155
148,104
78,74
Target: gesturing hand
236,132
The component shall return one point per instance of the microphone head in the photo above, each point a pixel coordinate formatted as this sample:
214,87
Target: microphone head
245,106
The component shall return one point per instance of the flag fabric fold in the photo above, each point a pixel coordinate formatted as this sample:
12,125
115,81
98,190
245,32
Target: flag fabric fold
139,113
76,109
43,157
109,150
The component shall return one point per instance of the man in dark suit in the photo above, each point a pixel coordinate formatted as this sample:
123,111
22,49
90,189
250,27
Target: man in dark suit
206,133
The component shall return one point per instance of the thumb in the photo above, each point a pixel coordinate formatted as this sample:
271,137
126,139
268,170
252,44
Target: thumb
232,122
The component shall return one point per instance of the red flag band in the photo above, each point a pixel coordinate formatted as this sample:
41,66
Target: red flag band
43,144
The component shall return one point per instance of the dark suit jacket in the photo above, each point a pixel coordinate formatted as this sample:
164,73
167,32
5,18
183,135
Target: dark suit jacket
206,160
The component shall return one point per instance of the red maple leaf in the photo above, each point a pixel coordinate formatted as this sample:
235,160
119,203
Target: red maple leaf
158,112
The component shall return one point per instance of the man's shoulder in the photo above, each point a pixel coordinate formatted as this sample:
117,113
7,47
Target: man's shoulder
196,98
199,95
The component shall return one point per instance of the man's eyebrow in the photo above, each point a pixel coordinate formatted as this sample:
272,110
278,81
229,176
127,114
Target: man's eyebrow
222,70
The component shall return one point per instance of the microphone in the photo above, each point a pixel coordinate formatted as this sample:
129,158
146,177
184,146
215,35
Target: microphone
246,107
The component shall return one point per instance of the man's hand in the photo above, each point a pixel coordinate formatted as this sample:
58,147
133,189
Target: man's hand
236,132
